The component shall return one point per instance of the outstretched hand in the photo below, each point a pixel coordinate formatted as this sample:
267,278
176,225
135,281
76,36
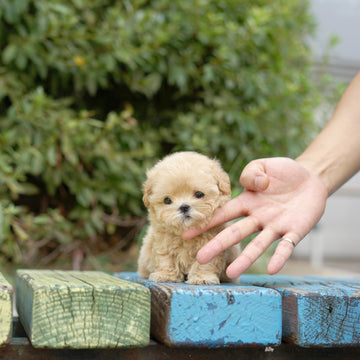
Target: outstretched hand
282,199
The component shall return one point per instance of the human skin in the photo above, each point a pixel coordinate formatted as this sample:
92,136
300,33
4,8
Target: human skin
285,198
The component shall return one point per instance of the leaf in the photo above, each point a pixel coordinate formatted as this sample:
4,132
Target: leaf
85,197
177,76
28,189
36,162
68,150
9,54
13,186
151,84
42,220
91,84
51,155
21,61
23,236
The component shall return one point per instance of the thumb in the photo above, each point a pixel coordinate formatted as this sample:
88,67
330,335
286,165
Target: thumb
254,177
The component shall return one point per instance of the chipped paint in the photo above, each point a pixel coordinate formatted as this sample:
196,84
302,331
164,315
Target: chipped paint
316,311
215,316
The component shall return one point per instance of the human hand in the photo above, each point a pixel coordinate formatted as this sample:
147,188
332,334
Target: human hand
282,199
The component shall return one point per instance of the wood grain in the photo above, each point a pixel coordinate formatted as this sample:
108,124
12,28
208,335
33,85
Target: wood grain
316,311
6,295
212,316
73,309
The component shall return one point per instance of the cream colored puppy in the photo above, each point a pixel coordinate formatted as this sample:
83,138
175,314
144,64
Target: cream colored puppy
183,190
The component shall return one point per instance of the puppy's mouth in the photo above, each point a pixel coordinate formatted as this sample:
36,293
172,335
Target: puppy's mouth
186,218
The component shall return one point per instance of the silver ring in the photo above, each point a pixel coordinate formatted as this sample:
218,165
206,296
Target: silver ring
289,241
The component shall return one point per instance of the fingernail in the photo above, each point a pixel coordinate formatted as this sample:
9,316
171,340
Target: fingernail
259,181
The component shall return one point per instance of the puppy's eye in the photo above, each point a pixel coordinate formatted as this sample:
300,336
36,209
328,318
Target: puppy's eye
167,201
199,194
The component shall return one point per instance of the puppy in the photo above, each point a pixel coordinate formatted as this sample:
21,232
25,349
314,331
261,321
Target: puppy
181,191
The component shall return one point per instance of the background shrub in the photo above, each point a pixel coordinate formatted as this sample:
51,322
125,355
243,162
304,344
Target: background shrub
92,92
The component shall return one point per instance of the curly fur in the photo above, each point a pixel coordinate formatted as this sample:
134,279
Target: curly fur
181,179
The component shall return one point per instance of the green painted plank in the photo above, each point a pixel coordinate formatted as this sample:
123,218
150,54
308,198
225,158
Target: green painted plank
73,309
6,294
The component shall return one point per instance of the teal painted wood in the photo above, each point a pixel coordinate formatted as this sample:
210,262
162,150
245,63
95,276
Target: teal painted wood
316,312
212,315
342,279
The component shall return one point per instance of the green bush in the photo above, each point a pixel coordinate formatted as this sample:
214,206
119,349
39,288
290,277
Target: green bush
92,92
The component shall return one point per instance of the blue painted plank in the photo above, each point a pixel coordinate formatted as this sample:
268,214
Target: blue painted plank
316,312
212,315
340,279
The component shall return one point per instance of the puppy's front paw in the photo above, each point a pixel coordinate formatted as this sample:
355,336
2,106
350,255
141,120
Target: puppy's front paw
203,279
165,276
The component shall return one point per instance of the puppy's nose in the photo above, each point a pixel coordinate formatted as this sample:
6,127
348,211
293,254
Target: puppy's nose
184,208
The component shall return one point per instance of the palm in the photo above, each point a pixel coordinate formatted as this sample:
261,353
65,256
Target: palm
293,201
290,206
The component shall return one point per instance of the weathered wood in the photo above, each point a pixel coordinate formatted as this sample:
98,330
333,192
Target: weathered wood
6,294
76,309
21,349
213,315
316,312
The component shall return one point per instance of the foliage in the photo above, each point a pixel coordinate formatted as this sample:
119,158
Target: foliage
93,92
69,168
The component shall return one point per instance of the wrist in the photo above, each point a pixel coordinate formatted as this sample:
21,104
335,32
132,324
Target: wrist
319,171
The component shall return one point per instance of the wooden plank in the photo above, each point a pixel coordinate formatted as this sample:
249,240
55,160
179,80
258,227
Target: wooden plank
316,312
342,279
21,349
74,309
212,315
6,295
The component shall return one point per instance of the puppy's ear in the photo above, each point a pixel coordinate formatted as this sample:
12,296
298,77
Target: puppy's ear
147,191
222,178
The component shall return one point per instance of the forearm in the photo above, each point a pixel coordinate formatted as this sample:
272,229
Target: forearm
334,155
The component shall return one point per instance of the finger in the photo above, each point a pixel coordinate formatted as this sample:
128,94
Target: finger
254,177
282,253
251,253
233,209
226,238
